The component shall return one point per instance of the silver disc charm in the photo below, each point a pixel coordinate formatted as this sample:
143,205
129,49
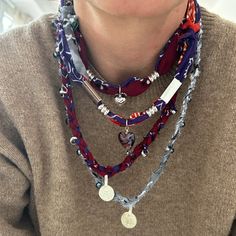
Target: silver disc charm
106,192
128,219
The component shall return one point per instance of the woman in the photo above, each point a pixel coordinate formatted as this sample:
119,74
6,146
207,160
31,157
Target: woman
122,56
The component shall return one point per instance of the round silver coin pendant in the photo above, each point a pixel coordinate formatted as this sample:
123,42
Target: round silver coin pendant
106,193
128,220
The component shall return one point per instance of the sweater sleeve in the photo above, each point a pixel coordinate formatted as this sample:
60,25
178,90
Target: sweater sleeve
14,181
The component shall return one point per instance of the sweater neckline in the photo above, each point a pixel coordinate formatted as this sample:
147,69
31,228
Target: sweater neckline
158,87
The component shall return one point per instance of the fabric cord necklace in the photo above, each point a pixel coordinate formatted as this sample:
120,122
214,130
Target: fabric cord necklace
127,138
98,82
134,85
77,138
76,71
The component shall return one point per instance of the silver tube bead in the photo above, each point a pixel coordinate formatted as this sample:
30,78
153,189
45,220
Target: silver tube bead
96,98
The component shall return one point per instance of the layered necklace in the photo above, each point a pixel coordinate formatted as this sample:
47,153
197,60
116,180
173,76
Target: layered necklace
74,67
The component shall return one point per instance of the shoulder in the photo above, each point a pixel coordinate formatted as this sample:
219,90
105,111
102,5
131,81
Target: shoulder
26,52
21,44
219,39
218,57
26,62
217,83
34,29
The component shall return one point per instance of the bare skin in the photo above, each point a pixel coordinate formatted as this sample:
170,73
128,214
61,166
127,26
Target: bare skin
124,37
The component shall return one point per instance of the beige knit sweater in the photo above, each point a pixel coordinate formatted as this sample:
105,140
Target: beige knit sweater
45,189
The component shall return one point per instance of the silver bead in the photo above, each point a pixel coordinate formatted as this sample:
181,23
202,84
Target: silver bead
73,140
157,74
98,185
173,111
144,152
149,113
55,54
151,78
152,111
105,110
154,77
100,107
154,108
170,148
89,73
63,90
78,152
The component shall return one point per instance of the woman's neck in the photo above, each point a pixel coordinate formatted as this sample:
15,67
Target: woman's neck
120,47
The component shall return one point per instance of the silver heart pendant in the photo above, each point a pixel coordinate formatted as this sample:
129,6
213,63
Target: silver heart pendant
120,98
127,139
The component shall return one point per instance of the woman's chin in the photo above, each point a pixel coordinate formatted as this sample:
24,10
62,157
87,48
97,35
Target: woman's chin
133,8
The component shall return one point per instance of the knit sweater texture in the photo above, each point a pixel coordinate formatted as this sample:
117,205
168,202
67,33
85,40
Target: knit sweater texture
45,189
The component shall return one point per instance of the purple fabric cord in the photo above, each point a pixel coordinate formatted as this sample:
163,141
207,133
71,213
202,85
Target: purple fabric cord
188,59
63,51
190,37
67,50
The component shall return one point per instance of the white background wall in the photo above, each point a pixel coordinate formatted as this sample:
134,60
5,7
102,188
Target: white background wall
225,8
